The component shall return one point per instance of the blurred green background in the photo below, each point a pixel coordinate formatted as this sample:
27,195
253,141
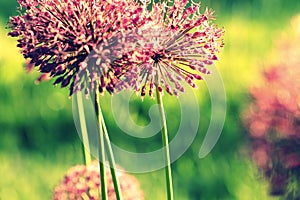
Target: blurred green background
39,141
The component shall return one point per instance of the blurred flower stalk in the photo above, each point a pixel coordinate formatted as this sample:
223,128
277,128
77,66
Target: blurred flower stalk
273,119
97,46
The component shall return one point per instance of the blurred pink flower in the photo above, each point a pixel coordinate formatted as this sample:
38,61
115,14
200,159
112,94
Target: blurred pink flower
83,182
276,103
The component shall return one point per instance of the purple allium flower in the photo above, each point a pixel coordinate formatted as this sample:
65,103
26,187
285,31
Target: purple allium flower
273,120
69,39
174,46
83,182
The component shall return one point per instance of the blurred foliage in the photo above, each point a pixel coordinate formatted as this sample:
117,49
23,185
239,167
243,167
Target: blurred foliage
8,8
39,140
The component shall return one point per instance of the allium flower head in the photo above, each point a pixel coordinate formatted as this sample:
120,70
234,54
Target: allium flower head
174,46
83,182
70,39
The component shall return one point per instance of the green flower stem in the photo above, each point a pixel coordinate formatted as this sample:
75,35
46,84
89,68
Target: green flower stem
85,139
105,141
111,159
101,149
165,142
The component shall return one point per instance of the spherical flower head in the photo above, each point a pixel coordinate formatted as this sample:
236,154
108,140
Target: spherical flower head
83,182
70,39
175,46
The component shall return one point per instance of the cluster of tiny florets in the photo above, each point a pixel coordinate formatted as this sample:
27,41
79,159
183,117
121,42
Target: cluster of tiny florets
70,40
115,45
176,45
83,182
